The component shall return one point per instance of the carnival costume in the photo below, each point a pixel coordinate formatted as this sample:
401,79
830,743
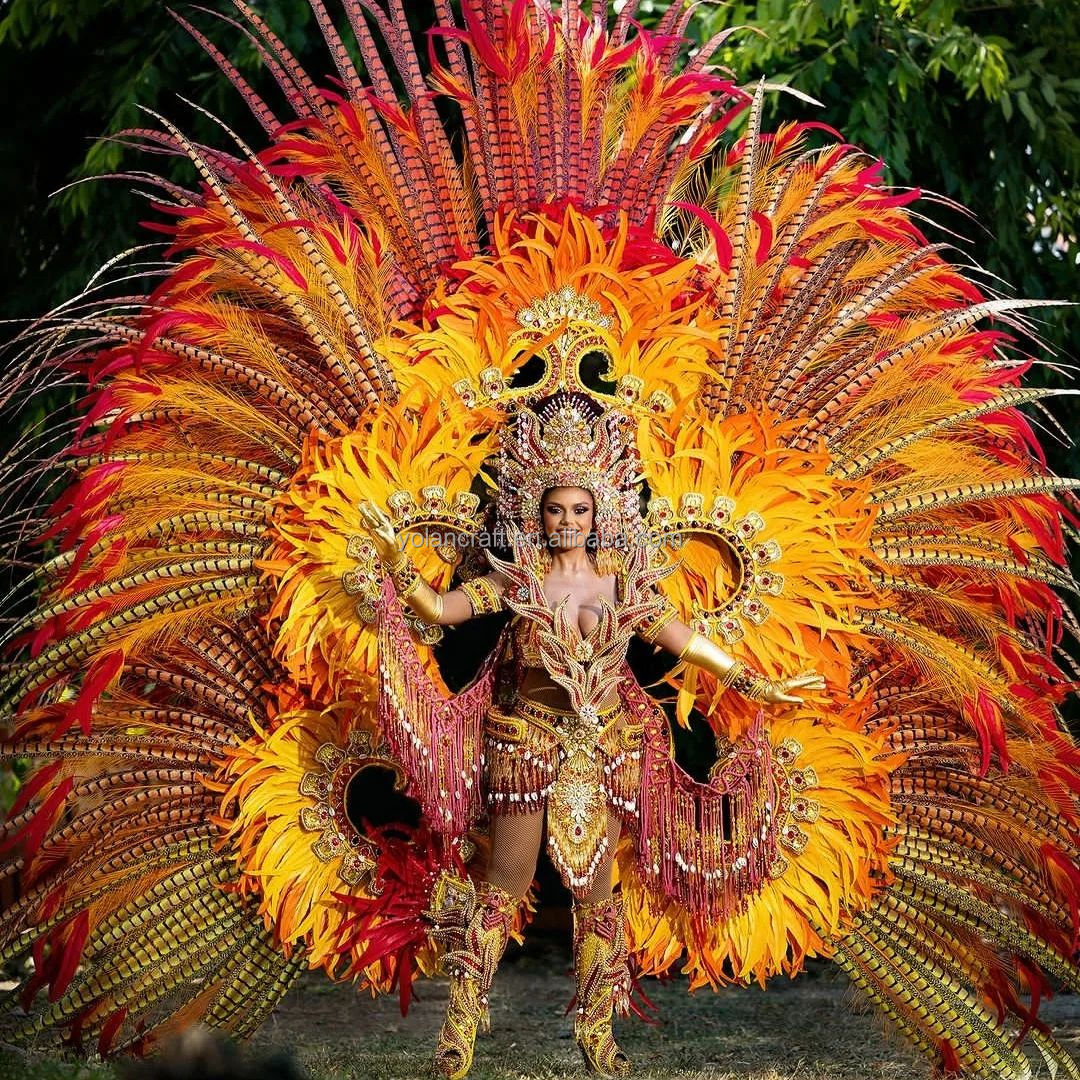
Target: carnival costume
802,439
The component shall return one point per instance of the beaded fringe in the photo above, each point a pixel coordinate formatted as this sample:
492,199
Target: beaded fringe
519,776
708,846
437,740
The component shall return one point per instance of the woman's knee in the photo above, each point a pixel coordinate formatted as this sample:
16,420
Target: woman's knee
513,862
602,883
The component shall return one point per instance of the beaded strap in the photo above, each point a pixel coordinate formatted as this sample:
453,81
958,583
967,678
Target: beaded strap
404,575
649,628
750,685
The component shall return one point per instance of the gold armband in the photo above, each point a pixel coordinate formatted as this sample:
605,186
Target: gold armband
706,654
394,563
727,680
406,578
483,597
751,686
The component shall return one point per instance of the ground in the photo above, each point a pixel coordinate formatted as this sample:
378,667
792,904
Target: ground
801,1030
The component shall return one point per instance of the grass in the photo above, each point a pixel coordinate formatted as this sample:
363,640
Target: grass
802,1030
797,1032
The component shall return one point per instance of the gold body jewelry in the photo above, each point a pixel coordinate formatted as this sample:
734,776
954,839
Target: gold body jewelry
413,590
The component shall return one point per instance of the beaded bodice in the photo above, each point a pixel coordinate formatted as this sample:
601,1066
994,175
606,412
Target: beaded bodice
523,645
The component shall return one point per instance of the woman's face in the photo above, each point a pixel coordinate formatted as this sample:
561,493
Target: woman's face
566,514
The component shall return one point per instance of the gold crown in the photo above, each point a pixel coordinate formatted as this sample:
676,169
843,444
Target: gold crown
585,331
571,441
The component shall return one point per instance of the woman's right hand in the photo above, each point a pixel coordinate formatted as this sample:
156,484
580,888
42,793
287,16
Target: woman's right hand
383,535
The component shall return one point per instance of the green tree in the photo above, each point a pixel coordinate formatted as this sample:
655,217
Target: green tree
972,99
76,72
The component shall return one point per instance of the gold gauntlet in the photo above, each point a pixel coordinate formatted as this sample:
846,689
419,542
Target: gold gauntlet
413,590
703,653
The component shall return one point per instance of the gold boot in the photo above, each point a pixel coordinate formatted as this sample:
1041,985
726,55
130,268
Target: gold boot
603,984
472,967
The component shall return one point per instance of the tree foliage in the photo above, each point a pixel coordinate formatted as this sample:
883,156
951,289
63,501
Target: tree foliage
974,100
75,73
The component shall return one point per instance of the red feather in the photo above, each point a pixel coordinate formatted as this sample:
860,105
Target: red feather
1053,854
765,236
950,1063
71,954
32,786
282,262
32,834
109,1030
720,237
101,673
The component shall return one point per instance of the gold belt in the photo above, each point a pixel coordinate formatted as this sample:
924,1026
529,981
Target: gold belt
512,725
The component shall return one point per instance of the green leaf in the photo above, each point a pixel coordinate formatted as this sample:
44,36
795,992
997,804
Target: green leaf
1024,105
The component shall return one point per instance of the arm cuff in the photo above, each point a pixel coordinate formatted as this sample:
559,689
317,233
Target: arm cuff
484,598
649,628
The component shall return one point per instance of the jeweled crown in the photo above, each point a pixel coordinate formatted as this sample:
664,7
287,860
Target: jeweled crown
570,440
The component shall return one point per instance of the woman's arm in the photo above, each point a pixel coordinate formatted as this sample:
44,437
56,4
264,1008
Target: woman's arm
699,650
480,596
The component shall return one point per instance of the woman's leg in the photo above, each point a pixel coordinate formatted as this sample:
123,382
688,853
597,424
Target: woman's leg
515,844
515,847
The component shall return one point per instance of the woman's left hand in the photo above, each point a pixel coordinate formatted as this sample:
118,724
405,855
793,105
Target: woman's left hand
780,690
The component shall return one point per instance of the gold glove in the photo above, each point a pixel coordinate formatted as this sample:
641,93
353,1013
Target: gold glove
703,653
411,588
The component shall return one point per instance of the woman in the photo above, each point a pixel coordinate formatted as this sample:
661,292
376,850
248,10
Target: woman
544,764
